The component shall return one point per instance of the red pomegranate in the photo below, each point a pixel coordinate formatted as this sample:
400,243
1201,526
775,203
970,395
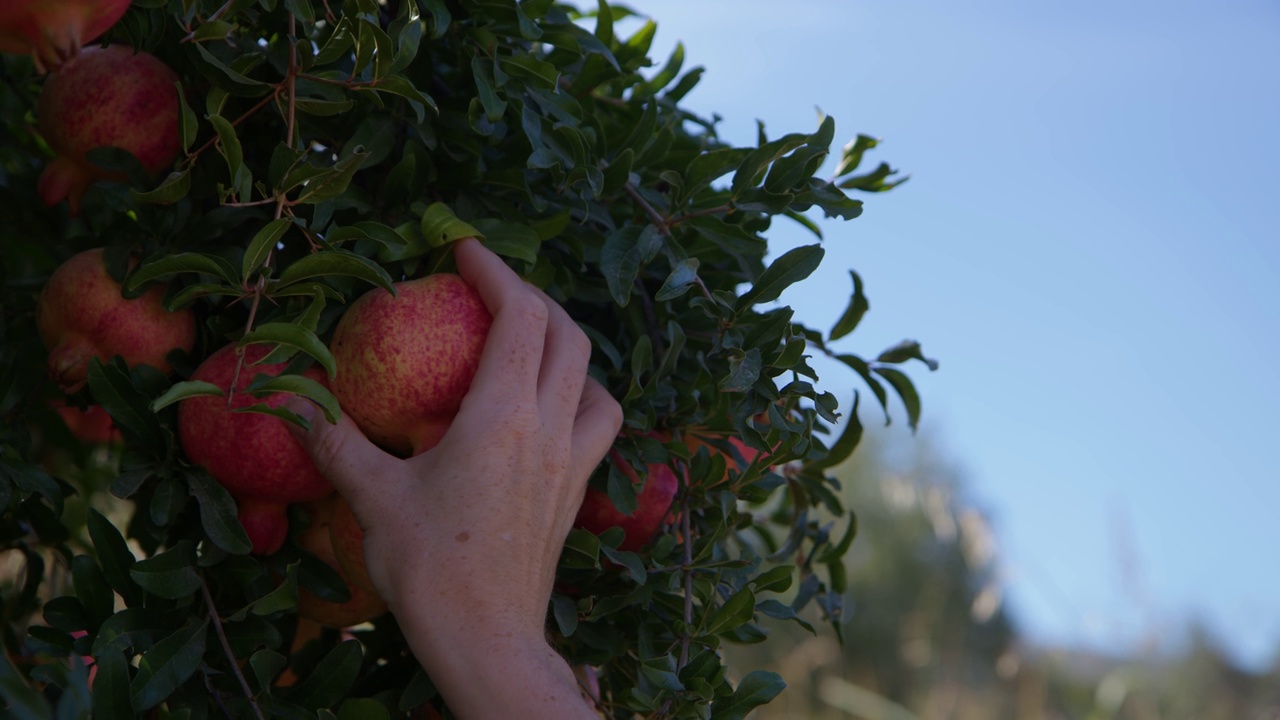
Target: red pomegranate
252,455
52,31
106,97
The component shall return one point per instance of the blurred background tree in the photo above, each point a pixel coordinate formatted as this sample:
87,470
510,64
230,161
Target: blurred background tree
927,635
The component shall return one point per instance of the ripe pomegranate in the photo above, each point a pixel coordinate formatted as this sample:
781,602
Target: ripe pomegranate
598,513
91,425
252,455
81,314
52,31
106,97
348,544
404,365
406,361
364,604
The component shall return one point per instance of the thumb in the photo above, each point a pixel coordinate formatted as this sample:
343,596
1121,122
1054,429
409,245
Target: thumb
341,452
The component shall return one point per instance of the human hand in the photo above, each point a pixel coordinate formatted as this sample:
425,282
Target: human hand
463,540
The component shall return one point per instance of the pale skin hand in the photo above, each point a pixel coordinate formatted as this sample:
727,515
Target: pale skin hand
462,541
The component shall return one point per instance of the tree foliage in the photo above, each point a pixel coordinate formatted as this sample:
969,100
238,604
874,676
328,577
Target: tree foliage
334,147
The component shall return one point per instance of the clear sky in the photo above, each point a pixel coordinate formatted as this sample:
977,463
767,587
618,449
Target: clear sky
1088,244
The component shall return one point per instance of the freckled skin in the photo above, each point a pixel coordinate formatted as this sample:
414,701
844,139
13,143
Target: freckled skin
405,362
81,315
598,514
250,454
106,97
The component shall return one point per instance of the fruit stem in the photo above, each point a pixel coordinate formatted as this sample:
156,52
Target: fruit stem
226,648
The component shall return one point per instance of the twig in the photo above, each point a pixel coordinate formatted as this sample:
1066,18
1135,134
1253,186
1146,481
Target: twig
226,647
191,156
655,217
686,528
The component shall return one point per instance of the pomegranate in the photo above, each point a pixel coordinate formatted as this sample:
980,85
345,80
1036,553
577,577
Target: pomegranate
106,97
52,31
81,314
406,361
252,455
598,513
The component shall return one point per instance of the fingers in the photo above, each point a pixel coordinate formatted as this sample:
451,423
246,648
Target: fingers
513,350
351,462
594,428
564,365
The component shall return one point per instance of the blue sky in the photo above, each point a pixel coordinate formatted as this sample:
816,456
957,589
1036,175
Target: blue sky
1088,244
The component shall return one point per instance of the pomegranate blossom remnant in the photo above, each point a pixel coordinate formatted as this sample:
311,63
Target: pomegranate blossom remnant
53,31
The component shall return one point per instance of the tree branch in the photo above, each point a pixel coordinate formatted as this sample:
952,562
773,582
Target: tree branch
226,648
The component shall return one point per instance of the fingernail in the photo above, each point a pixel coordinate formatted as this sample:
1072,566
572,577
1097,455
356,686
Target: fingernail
304,409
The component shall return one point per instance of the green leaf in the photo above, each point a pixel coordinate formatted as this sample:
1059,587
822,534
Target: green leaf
92,589
906,390
218,513
299,385
744,371
176,185
792,267
861,367
400,86
19,698
167,665
334,182
777,579
441,227
284,597
183,390
682,277
363,709
904,351
857,307
737,610
620,259
114,555
581,550
261,246
293,336
167,265
113,389
756,689
513,240
170,574
851,154
302,10
565,612
331,679
111,685
629,561
31,478
848,441
482,71
660,676
337,262
228,145
266,665
837,551
234,82
188,125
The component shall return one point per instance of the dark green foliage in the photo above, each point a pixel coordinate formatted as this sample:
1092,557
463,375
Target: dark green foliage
336,147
